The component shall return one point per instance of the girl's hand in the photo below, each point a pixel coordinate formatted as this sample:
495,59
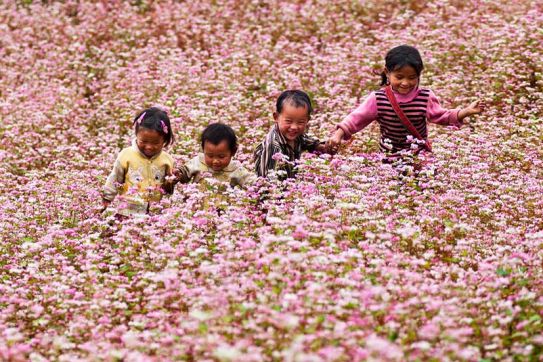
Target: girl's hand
169,183
477,107
105,205
322,148
474,108
172,178
334,142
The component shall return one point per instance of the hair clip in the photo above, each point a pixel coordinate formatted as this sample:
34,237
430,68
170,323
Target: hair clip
140,118
164,127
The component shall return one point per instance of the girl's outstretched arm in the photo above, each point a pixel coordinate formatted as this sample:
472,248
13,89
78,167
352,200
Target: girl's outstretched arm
450,117
335,140
361,117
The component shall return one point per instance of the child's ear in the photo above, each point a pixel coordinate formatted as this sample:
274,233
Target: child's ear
386,73
275,115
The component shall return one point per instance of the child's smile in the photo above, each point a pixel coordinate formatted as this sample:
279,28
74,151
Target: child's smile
292,122
403,80
149,142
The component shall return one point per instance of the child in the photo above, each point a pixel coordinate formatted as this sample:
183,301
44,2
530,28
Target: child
219,145
288,136
140,172
403,67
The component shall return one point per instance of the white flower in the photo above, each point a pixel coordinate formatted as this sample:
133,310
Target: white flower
422,345
200,315
227,353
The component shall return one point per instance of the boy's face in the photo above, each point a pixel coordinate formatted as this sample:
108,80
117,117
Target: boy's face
292,121
217,157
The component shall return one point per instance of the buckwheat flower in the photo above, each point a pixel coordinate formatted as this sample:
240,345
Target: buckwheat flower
227,353
161,107
429,331
200,315
280,157
422,345
37,310
538,340
61,342
383,348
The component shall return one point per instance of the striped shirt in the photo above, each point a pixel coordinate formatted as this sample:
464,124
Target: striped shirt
392,129
420,106
275,143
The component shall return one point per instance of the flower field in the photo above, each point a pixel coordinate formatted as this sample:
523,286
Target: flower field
346,263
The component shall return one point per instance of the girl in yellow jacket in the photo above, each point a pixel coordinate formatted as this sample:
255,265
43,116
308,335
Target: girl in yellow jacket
140,173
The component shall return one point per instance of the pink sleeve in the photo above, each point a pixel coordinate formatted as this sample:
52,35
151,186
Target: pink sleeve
362,116
435,113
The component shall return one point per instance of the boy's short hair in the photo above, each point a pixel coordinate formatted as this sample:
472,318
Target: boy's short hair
297,97
218,132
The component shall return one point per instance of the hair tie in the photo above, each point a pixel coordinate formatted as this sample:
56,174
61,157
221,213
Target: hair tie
140,118
164,127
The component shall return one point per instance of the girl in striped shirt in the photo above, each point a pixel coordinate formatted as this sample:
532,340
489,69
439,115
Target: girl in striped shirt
403,67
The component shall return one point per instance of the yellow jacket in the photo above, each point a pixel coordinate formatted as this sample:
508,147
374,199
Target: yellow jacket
137,179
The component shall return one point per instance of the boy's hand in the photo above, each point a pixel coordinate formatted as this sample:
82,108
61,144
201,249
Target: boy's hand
322,148
181,174
334,142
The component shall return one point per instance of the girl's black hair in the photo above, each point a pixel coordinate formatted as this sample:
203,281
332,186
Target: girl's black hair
297,97
401,56
218,132
155,119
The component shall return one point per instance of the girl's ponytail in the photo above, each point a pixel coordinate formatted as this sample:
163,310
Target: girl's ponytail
384,79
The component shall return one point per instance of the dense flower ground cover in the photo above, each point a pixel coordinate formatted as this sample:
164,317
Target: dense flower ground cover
346,263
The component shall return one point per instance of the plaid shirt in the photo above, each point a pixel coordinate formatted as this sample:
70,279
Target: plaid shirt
276,143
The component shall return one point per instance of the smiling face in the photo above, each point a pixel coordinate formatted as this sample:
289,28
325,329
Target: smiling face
292,121
149,142
404,79
218,156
